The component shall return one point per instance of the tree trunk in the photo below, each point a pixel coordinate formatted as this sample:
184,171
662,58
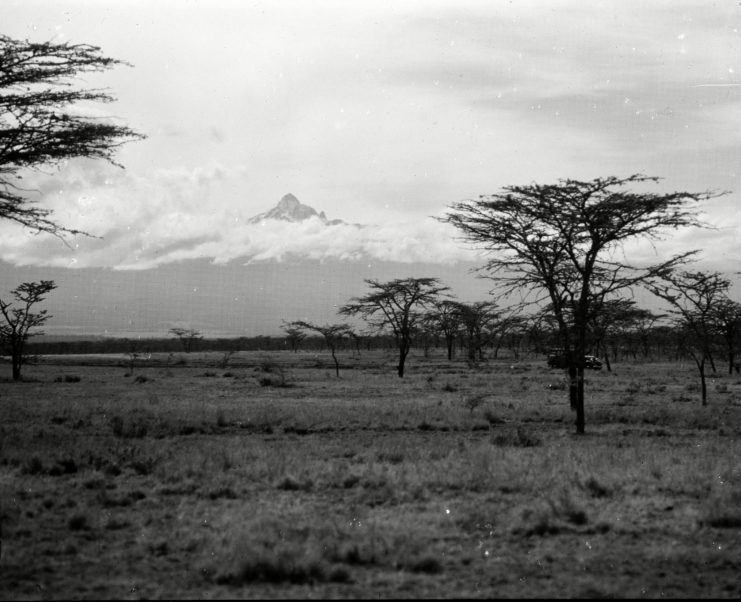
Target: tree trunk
580,401
336,363
16,356
403,351
712,362
573,386
703,384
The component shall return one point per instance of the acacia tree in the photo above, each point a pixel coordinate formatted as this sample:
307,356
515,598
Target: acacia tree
294,335
474,320
507,325
617,316
19,320
693,298
332,333
39,123
187,336
558,244
726,318
444,318
398,304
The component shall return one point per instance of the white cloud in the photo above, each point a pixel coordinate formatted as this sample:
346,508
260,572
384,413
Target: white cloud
178,215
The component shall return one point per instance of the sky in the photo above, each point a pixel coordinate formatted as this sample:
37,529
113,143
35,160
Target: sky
381,113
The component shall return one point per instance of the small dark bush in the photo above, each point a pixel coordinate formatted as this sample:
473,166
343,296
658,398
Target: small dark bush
492,418
595,488
67,378
518,437
426,564
273,381
78,522
291,483
63,466
133,428
33,466
222,492
142,467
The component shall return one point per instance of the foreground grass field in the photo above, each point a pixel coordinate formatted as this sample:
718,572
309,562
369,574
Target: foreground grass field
198,475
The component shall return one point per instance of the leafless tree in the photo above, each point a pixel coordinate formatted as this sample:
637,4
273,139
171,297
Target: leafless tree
398,304
38,127
19,320
561,244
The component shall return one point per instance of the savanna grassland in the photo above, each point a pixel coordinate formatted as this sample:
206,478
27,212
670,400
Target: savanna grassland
263,475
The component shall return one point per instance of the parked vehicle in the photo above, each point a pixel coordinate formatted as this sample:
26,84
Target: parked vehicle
556,359
592,362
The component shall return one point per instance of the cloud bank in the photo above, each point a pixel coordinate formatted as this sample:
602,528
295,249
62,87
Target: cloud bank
176,215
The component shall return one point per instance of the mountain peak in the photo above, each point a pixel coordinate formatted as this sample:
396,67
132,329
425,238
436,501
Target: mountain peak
290,209
288,202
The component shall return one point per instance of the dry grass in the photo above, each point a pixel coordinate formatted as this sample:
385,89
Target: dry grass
198,482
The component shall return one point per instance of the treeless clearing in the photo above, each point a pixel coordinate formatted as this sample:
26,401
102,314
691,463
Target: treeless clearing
273,478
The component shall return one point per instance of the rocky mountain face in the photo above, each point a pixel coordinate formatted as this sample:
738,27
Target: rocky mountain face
290,209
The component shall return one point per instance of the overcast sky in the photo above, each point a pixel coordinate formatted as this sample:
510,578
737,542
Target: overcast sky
382,113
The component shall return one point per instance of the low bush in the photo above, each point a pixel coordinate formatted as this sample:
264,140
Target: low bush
515,437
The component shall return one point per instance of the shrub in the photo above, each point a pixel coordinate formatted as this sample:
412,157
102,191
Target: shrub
134,427
723,511
516,437
633,387
272,552
273,381
492,418
67,378
473,402
271,374
595,488
287,550
63,466
291,483
33,466
78,522
554,516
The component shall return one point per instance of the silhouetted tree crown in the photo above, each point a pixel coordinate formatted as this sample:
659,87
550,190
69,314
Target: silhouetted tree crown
18,319
399,305
694,299
40,124
560,244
